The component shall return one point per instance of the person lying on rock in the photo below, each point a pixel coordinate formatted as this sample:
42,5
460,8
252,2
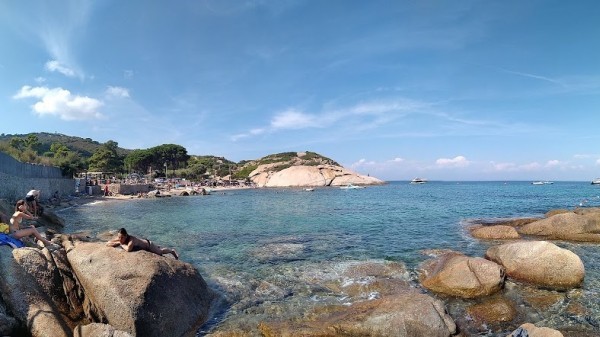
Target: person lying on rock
131,244
21,212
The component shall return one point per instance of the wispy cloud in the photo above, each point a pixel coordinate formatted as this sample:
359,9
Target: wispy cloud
294,119
362,116
60,27
534,76
56,66
61,103
458,161
117,92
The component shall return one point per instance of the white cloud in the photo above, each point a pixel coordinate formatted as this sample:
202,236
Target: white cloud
504,166
40,80
363,162
598,162
54,65
553,163
61,103
458,161
397,160
117,92
292,119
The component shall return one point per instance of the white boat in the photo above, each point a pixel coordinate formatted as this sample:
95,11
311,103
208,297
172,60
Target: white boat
542,183
310,189
418,181
596,181
351,187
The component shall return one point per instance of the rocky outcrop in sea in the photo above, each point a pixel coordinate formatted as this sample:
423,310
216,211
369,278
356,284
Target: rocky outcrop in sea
310,176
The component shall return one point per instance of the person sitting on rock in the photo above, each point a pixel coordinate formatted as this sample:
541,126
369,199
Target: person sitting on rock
131,244
21,213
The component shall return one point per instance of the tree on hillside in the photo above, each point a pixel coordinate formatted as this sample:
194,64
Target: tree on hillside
32,142
17,143
106,158
69,163
59,150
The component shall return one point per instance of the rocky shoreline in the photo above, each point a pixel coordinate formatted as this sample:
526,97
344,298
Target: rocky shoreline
87,289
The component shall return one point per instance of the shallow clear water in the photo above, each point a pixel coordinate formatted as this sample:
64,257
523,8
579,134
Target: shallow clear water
230,236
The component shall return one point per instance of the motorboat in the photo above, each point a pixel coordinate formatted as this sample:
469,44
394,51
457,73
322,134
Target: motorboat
596,181
418,181
351,187
309,189
537,183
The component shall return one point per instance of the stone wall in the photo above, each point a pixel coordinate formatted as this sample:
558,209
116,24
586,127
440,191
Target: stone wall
127,189
16,179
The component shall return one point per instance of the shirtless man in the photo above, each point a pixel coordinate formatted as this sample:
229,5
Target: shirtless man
21,213
33,198
131,244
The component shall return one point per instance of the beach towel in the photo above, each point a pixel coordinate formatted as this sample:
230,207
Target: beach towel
9,240
4,228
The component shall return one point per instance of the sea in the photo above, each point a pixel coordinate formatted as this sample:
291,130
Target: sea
285,239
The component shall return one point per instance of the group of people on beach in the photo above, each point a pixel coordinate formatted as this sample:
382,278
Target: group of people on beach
17,231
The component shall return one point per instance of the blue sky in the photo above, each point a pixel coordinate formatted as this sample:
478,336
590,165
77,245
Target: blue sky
446,90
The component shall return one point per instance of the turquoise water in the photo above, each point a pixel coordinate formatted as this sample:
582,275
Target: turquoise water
230,236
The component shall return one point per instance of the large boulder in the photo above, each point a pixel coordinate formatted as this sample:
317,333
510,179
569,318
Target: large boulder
407,314
140,292
27,301
458,275
567,226
539,262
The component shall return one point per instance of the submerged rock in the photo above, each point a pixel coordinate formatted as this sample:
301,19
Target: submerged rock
531,330
494,310
405,314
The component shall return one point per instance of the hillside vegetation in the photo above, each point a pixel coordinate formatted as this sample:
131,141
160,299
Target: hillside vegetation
76,154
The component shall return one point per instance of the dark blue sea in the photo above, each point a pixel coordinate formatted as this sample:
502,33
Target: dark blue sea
240,238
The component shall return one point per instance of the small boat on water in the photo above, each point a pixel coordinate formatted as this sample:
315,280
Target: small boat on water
542,183
596,181
309,189
351,187
418,181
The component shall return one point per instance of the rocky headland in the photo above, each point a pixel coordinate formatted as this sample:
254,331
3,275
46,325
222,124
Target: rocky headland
304,169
